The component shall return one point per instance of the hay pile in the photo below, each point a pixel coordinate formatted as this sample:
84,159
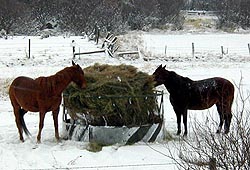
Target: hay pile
115,96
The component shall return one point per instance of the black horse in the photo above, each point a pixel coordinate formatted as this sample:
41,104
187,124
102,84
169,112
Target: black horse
197,95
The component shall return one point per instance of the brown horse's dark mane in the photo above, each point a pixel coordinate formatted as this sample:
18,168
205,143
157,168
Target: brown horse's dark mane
49,84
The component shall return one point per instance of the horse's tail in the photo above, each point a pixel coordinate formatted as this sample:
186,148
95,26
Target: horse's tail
22,113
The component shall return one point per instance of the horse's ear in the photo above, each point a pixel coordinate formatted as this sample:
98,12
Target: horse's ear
164,67
73,63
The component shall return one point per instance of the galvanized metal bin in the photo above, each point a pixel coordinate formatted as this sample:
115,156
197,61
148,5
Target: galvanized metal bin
81,130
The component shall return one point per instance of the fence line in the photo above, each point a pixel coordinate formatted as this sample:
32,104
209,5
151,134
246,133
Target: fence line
53,47
28,47
106,166
193,49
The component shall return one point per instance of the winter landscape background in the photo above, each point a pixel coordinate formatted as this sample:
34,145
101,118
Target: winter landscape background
54,53
170,45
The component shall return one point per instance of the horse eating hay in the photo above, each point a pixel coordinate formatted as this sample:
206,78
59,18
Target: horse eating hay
197,95
42,95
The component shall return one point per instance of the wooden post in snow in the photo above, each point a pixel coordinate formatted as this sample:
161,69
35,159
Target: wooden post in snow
222,51
73,47
193,50
166,49
248,48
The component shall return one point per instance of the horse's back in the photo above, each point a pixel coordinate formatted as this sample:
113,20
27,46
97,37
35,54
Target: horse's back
24,84
24,90
225,85
218,83
224,90
204,93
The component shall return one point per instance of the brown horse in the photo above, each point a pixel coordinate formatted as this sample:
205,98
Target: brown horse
42,95
197,95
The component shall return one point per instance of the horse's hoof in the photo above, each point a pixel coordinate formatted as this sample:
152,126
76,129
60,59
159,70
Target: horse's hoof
178,133
218,131
226,132
21,139
59,140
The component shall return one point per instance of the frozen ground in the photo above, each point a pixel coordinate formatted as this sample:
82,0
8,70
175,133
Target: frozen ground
53,54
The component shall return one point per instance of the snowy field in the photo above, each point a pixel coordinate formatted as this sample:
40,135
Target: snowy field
53,54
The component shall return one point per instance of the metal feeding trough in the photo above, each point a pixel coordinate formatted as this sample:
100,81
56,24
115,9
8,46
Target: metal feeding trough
83,128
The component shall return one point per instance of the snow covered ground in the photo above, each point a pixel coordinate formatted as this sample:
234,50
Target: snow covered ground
53,54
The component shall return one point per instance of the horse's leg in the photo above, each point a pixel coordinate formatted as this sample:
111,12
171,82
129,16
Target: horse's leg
18,122
178,116
55,118
219,109
41,123
16,109
185,122
178,124
228,118
228,113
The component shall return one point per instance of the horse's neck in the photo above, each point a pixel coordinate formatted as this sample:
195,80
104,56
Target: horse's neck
175,83
62,79
55,84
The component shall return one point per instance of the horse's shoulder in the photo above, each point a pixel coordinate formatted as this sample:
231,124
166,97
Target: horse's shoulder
39,79
42,81
187,82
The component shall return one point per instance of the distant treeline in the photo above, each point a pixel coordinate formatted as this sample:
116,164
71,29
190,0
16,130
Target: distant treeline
76,16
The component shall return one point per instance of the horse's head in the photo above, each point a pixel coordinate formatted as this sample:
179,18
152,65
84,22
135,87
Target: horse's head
78,76
159,75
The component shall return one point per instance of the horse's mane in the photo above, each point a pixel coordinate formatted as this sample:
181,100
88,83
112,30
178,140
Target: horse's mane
178,77
51,84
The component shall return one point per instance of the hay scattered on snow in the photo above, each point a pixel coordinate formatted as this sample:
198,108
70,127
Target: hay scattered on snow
115,96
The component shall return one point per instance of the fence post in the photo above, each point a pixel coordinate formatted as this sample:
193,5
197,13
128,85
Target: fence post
73,47
29,49
193,50
222,51
212,164
248,47
97,34
166,49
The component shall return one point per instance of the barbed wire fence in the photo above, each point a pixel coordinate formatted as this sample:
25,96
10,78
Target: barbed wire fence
33,47
107,166
194,51
167,163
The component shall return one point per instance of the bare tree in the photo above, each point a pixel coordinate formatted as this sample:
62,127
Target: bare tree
107,15
170,8
44,12
233,13
74,14
10,13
